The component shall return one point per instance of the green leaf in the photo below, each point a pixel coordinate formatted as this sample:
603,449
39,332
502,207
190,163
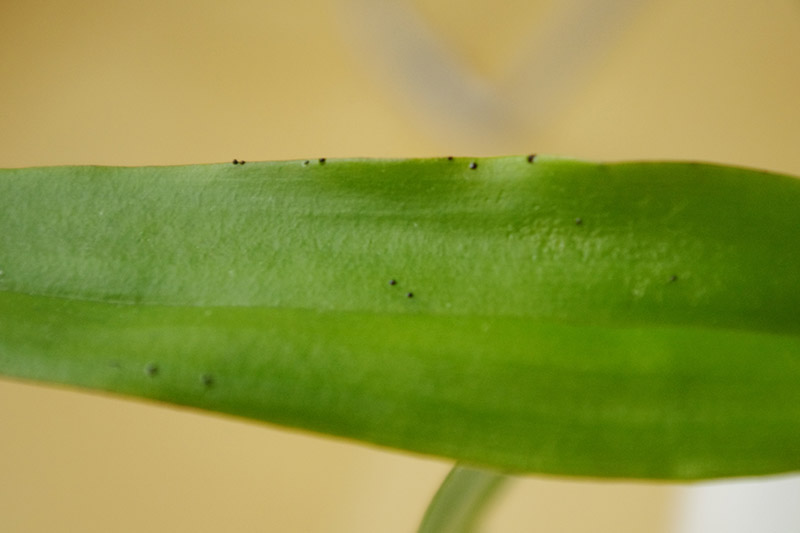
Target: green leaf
637,320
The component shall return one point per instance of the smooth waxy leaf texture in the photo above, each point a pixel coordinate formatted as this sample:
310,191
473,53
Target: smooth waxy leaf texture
620,320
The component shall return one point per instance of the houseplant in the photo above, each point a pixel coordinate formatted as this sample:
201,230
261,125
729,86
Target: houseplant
528,314
147,84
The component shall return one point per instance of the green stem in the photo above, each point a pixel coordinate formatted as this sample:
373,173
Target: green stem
461,501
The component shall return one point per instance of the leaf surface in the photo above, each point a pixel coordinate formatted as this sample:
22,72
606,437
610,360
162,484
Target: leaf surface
635,320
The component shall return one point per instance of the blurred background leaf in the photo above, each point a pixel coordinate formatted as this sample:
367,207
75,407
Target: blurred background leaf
173,81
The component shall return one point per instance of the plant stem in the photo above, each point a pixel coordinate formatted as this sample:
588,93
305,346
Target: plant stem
460,502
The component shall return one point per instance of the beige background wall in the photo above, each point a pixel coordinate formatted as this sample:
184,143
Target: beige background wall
174,81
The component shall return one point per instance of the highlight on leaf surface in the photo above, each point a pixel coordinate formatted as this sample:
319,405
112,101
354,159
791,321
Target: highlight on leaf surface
528,314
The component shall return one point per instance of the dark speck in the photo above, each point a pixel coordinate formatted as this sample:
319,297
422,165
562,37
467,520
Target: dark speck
306,162
473,165
578,221
410,295
321,160
449,157
235,161
392,282
531,158
673,278
241,162
151,369
207,379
